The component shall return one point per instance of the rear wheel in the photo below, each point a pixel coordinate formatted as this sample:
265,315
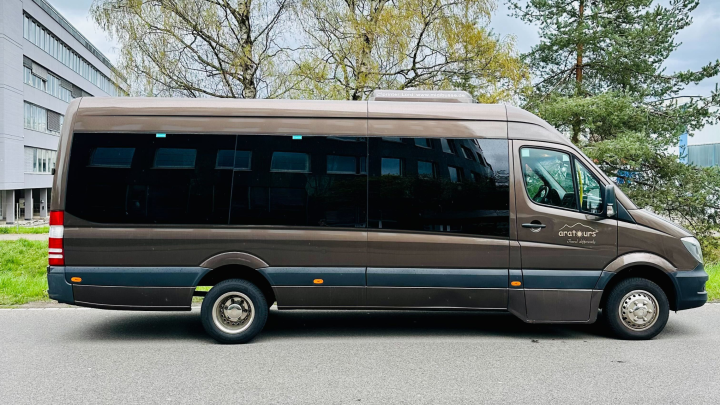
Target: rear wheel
234,311
636,309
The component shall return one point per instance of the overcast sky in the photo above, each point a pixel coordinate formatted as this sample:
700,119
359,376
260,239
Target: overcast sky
700,43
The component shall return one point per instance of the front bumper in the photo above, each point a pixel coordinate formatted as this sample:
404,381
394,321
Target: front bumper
58,288
690,287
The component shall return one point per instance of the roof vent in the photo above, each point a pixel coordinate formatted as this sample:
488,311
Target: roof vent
422,95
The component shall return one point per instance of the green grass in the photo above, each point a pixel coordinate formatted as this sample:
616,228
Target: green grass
23,271
24,229
713,285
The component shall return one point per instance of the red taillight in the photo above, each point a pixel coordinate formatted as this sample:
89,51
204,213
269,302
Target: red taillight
57,218
56,254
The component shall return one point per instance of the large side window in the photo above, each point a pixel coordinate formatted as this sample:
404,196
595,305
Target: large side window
146,179
432,190
548,177
590,191
312,181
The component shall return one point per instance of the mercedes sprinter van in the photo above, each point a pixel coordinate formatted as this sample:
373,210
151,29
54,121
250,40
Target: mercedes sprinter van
412,200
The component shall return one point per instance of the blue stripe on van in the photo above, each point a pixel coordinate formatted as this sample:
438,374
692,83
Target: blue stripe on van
561,279
138,276
304,276
458,278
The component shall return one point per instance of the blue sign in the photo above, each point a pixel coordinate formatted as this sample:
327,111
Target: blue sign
682,148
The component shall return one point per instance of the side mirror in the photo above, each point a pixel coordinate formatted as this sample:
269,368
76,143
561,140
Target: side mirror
610,201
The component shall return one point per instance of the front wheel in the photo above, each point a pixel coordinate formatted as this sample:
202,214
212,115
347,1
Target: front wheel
636,309
234,311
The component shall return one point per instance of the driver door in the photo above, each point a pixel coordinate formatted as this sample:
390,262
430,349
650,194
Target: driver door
565,238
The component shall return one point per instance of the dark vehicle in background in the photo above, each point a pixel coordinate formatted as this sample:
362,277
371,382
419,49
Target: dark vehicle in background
413,200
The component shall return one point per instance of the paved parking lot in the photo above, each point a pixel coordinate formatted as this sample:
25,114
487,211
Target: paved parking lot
94,356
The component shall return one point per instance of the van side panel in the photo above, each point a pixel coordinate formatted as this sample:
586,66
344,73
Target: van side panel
190,246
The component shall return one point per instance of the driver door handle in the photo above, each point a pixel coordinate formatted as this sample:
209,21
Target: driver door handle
534,226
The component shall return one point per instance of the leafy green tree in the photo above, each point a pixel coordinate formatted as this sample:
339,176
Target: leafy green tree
356,46
598,76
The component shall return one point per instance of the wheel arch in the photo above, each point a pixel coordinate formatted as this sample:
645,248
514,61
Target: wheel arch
642,265
229,265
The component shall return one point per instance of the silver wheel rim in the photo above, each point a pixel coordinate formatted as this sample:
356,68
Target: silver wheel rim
638,310
233,312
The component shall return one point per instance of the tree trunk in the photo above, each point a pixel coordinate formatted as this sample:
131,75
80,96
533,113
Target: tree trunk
248,67
577,124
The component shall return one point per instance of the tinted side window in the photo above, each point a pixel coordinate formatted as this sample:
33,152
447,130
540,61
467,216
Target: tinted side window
429,189
143,179
300,181
548,177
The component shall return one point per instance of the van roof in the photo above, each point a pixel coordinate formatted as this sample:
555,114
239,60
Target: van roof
246,108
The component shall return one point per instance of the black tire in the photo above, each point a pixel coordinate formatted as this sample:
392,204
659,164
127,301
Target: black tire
243,290
621,329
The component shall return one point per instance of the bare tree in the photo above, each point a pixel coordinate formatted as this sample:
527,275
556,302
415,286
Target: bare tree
199,48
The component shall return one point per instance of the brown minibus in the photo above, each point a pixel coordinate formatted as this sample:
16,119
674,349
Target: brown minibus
413,200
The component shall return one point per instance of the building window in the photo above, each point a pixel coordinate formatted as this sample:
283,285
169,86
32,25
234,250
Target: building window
467,153
455,174
34,80
446,146
391,167
426,169
40,119
50,84
56,89
392,139
345,164
39,36
290,162
422,142
39,160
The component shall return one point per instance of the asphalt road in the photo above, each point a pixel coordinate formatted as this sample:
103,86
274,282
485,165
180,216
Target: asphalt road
73,356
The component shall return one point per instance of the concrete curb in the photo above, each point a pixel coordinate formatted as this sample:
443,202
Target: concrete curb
28,236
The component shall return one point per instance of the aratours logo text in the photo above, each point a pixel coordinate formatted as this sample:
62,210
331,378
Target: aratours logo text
578,233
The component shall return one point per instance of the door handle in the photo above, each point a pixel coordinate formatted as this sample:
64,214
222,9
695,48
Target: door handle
533,226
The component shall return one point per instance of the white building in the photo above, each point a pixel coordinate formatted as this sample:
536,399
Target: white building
44,63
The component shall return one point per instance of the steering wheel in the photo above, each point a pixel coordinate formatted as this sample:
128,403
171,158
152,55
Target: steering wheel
541,193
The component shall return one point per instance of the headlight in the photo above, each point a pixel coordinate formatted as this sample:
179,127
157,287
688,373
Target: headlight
693,246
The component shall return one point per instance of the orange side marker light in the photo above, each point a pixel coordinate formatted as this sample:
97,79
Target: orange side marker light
76,279
515,283
318,281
